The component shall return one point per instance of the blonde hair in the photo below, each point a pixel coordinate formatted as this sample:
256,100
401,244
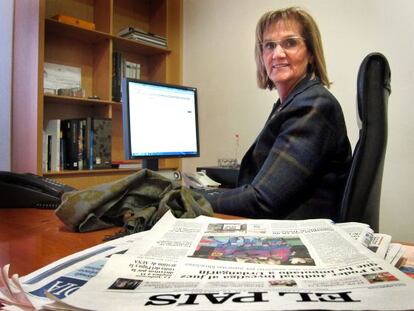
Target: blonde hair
311,34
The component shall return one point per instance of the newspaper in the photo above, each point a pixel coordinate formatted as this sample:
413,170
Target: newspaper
206,263
395,253
407,264
378,243
359,231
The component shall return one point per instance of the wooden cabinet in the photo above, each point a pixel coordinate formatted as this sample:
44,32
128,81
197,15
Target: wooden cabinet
38,38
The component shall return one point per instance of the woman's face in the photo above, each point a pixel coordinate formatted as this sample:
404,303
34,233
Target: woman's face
285,65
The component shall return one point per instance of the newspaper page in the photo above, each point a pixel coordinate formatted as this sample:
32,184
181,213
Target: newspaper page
63,277
359,231
380,244
394,253
207,263
407,264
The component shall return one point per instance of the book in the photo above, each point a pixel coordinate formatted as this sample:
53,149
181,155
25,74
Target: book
131,70
117,61
76,144
99,142
148,39
82,145
128,30
53,135
70,134
139,34
49,152
122,68
44,152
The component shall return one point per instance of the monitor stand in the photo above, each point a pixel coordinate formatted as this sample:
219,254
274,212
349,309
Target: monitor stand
151,164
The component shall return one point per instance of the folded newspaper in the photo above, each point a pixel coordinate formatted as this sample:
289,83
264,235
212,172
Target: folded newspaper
207,263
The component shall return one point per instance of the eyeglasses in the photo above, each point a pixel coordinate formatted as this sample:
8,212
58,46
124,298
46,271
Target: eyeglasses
288,44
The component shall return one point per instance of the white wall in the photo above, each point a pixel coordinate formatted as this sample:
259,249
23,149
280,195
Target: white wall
6,44
219,61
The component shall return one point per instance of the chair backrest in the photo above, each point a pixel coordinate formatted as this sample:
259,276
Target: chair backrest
361,200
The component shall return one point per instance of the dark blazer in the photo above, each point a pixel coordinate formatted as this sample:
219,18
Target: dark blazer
297,167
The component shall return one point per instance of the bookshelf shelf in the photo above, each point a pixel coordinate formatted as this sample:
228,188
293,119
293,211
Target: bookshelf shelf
75,32
93,36
42,39
60,100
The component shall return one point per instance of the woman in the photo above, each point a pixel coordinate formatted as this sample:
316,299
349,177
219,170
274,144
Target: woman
297,167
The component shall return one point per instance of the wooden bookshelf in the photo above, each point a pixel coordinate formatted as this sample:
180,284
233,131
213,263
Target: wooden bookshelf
39,38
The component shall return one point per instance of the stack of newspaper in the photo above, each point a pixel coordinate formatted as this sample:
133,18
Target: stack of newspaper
208,263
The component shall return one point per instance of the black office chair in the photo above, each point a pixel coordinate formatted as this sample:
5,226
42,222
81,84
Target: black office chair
361,200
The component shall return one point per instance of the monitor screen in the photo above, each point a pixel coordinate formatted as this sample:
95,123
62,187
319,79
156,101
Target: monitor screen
159,121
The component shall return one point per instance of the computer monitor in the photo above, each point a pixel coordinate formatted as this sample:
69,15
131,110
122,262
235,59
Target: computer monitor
159,121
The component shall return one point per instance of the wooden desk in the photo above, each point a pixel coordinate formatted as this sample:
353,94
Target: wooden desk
33,238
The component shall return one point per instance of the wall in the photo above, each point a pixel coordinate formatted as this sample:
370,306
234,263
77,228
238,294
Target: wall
6,44
219,60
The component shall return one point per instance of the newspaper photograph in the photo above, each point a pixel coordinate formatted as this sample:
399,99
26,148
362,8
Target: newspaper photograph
207,263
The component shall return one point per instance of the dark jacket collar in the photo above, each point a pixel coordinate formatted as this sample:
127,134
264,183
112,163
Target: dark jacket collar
303,85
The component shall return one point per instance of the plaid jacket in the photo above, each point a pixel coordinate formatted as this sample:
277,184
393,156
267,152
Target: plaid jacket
298,165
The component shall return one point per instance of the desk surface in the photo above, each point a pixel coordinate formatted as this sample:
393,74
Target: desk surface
33,238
